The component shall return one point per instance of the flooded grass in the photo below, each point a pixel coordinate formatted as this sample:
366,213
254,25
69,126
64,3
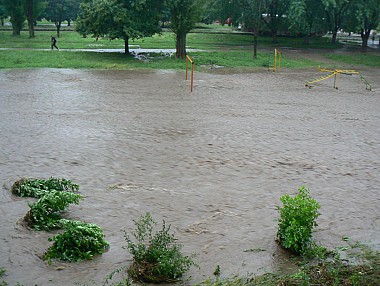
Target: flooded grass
363,268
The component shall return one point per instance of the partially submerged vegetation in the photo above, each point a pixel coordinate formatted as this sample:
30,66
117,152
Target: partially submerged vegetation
80,240
361,267
157,257
35,188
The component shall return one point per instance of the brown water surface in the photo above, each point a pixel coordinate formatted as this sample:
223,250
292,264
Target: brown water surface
212,164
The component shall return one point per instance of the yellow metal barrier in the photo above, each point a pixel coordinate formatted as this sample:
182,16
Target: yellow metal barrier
277,61
188,59
335,73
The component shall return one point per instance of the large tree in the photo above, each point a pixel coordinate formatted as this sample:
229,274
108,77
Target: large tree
3,13
274,16
184,14
253,18
119,19
365,16
58,11
336,12
15,9
221,10
306,18
33,9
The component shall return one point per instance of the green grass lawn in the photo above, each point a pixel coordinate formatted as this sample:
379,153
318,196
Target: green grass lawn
217,48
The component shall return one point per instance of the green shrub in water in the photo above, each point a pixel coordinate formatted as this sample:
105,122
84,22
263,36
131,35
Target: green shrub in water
156,257
297,220
38,187
79,241
45,213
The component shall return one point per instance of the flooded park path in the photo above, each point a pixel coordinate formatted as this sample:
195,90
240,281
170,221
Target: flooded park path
213,164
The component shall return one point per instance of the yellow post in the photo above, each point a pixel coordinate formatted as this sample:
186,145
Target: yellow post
187,66
336,79
275,59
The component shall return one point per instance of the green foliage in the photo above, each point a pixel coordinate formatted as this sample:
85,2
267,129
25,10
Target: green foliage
217,271
297,220
157,257
79,241
2,272
331,271
45,213
116,19
15,10
38,187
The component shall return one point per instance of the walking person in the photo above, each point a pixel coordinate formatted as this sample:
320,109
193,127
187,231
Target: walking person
54,42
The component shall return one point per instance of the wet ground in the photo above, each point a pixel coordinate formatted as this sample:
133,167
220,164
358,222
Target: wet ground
213,164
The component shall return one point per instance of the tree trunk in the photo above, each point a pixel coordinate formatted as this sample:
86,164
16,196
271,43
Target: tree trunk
334,35
58,27
16,31
16,27
274,38
29,17
180,45
31,30
255,44
126,45
364,34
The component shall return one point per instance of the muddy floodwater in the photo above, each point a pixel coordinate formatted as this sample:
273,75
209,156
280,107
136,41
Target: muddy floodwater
213,164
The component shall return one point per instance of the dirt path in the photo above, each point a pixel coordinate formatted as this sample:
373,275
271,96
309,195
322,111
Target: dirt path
213,164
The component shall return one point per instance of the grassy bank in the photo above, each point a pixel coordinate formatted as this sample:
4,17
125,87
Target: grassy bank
230,50
89,60
356,265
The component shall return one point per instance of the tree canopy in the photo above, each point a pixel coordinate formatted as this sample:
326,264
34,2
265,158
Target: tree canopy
119,19
58,11
132,19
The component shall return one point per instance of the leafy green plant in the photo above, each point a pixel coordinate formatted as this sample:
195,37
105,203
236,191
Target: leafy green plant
45,213
2,272
157,257
79,241
38,187
297,220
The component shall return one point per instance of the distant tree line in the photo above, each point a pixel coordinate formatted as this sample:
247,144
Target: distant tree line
304,18
131,19
31,11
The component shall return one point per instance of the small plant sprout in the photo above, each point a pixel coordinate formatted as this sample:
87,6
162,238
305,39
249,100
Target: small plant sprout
217,271
157,257
297,220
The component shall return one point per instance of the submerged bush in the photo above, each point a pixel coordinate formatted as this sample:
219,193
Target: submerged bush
156,258
79,241
45,213
38,187
297,220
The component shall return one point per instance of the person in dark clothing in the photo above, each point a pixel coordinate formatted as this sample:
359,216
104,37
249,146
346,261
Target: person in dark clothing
53,42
